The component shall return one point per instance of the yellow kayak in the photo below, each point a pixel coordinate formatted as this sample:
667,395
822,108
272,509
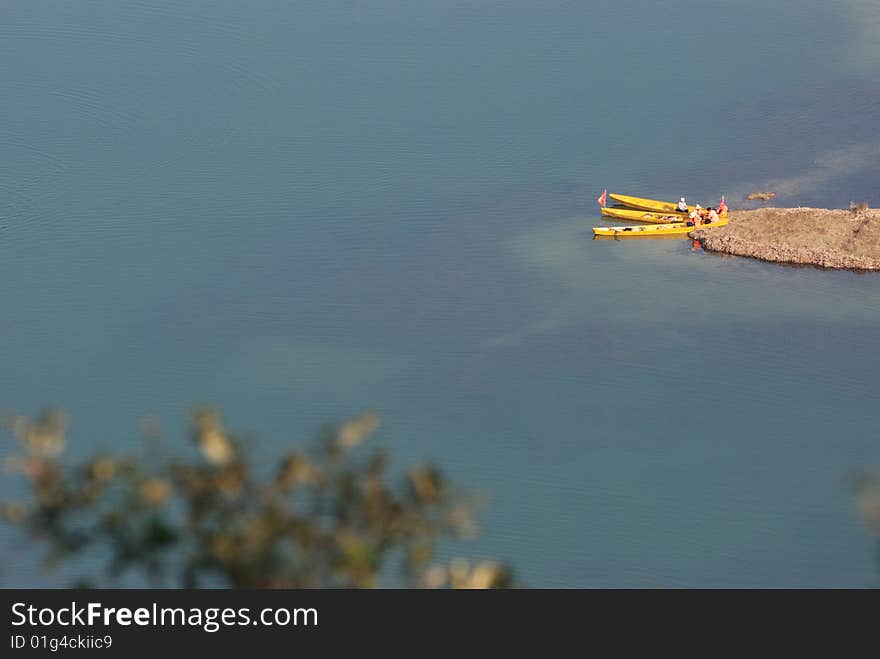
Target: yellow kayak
656,229
653,236
648,204
633,215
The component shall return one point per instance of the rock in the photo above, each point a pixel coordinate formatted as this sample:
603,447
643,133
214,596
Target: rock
813,236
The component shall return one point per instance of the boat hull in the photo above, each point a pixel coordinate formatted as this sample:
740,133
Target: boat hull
655,205
634,215
644,230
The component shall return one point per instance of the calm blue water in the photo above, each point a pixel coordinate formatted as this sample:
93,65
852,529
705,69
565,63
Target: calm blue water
295,211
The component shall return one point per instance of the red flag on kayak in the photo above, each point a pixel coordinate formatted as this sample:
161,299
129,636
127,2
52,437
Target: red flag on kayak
602,198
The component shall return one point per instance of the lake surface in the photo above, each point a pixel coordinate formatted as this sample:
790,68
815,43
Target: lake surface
296,211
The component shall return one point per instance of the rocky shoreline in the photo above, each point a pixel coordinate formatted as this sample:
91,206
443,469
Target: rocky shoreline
839,239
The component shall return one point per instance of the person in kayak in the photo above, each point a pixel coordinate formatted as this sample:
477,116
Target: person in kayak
682,206
713,216
695,216
722,207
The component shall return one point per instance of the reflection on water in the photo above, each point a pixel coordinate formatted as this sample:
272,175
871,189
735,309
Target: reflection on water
299,213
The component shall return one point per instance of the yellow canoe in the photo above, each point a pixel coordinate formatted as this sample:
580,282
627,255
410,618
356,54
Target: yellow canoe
656,229
654,236
647,204
633,215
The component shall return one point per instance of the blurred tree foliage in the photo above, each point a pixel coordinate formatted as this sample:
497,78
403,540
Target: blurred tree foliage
326,516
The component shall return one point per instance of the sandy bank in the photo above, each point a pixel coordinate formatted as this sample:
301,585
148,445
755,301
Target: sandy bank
810,236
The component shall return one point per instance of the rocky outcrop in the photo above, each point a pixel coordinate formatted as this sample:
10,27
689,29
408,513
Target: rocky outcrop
810,236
